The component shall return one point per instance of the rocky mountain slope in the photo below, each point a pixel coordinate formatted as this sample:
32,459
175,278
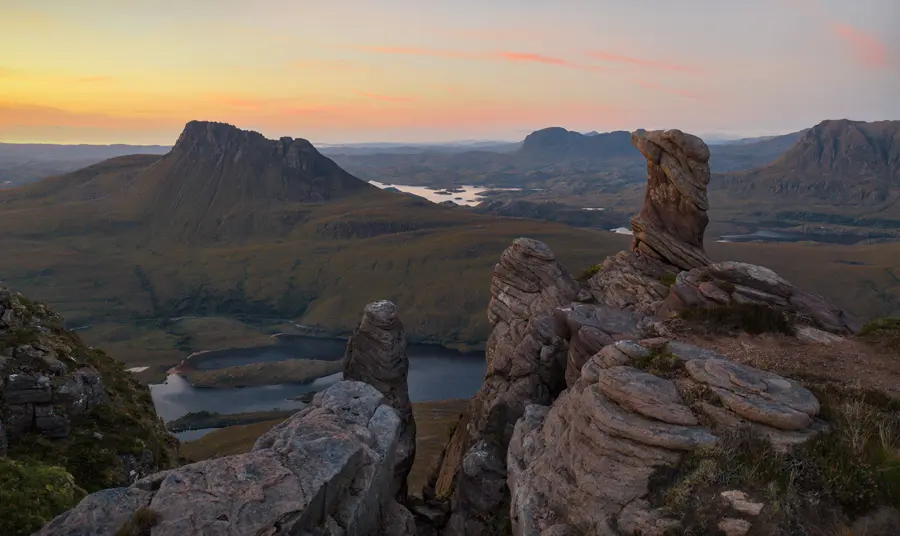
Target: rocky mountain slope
595,416
839,172
71,418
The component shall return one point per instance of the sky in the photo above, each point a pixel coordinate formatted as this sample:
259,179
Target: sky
104,71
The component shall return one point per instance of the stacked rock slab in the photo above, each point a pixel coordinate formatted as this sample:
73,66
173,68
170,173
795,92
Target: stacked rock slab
583,466
376,354
327,470
668,231
727,283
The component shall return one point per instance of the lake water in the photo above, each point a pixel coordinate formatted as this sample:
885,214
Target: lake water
468,195
768,235
435,373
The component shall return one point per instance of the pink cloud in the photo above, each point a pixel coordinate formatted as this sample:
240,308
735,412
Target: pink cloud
666,89
867,49
416,51
383,97
518,57
615,58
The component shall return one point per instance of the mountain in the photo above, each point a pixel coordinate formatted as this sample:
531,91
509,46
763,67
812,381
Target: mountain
839,172
26,162
556,144
230,237
748,153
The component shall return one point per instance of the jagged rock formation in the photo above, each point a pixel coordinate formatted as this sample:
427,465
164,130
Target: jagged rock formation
99,421
727,283
376,354
328,470
528,360
583,466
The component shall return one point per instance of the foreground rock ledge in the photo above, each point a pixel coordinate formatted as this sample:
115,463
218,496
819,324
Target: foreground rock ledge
326,470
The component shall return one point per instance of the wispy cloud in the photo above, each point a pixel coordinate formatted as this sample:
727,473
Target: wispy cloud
643,62
865,47
417,51
665,89
518,57
507,56
389,98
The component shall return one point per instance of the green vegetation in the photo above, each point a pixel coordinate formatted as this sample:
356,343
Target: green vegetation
31,494
659,362
668,279
735,317
141,523
210,419
884,331
589,272
265,373
849,471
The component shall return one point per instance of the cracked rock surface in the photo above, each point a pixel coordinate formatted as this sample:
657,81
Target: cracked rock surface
326,470
584,464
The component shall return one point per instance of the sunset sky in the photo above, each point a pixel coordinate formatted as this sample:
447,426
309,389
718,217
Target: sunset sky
104,71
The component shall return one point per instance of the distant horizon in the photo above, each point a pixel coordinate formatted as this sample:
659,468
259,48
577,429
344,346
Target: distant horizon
726,135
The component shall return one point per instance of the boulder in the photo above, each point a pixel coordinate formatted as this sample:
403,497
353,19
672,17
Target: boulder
376,355
329,469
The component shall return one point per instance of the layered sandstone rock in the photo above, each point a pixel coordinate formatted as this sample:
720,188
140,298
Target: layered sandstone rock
526,361
328,470
583,465
668,231
726,283
376,354
673,219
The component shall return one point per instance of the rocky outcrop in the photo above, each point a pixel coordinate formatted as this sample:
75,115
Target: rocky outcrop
54,387
668,231
673,219
327,470
525,365
584,465
726,283
376,354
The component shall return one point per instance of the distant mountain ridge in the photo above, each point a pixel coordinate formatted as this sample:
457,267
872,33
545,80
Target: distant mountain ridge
557,143
837,161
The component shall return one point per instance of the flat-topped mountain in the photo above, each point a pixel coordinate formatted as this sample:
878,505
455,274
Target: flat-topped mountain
559,144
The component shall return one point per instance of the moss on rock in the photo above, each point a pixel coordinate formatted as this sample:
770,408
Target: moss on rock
32,493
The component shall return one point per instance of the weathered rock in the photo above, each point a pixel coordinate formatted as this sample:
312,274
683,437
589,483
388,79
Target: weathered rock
734,527
740,502
673,218
586,461
589,328
727,283
326,470
526,361
376,354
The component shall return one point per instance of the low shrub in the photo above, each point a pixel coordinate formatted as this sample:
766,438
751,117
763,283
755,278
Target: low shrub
752,318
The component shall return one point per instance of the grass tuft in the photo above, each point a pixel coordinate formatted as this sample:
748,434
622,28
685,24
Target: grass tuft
589,272
32,494
659,362
667,279
883,330
752,318
849,471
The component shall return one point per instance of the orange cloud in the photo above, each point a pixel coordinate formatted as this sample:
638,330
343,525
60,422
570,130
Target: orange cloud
666,66
665,89
867,49
383,97
93,79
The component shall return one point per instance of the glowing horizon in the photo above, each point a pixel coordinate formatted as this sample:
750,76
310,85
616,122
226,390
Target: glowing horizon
400,71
